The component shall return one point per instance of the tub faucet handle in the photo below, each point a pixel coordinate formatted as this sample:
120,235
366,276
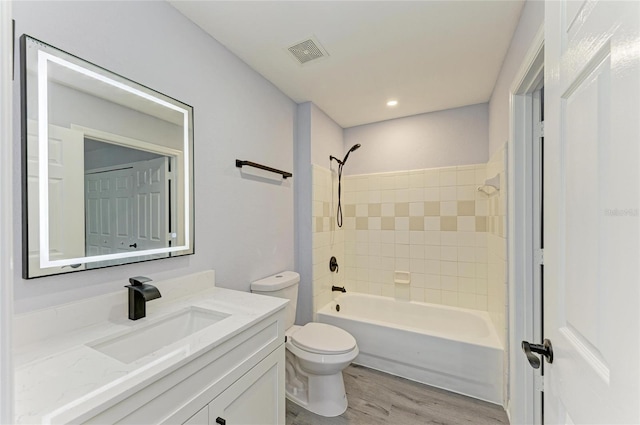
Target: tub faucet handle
333,264
338,289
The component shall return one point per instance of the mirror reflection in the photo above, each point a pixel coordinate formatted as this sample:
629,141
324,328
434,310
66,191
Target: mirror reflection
108,166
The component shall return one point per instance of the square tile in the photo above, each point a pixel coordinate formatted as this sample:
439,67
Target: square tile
431,208
388,223
432,252
466,224
448,177
449,238
432,267
416,194
375,196
449,253
388,195
402,251
431,178
433,296
402,223
402,209
416,223
467,208
448,224
432,281
416,237
449,268
388,209
402,195
416,209
374,210
417,265
450,298
449,283
349,210
402,236
465,177
448,193
449,208
432,194
416,179
388,236
362,223
416,251
362,210
375,223
432,238
466,193
432,223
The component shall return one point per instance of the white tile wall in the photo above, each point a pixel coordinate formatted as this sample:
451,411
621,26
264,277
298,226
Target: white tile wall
392,225
328,238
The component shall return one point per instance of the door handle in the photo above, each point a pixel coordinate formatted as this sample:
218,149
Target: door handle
545,349
220,421
133,245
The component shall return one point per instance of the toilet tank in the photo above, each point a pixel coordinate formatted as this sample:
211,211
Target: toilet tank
281,285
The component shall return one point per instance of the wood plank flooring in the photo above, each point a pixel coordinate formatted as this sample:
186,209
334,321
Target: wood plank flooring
377,398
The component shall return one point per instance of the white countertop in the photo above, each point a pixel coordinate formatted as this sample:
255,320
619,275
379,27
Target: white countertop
58,376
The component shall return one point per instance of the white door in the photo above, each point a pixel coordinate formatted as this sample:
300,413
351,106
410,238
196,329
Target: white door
151,204
109,213
127,210
66,200
592,256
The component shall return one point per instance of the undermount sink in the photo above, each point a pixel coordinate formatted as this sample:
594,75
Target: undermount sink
132,345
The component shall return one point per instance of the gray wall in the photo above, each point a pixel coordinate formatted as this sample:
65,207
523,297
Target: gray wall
457,136
318,136
531,20
244,227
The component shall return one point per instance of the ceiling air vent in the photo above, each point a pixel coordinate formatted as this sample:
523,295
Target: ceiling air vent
308,50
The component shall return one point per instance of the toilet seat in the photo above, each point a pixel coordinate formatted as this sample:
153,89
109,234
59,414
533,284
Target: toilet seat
320,338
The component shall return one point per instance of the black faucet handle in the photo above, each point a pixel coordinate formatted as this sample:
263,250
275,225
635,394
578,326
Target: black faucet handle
138,280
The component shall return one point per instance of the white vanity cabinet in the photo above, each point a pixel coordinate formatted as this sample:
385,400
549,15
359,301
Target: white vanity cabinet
254,399
241,381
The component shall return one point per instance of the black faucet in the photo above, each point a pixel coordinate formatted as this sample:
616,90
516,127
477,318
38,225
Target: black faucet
338,289
139,293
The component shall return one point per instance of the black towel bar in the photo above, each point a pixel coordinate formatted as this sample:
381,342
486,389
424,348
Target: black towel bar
240,164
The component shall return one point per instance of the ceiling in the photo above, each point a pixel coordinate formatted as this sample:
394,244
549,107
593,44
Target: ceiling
428,55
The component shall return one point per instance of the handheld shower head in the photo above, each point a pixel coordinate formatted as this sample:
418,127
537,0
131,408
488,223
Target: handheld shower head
353,148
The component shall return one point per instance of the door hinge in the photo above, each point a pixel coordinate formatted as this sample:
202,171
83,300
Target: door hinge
538,129
538,382
538,256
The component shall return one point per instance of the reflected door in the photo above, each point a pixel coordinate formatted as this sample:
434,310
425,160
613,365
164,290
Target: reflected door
66,200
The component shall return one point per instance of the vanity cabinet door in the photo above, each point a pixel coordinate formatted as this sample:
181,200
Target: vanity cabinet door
257,398
200,418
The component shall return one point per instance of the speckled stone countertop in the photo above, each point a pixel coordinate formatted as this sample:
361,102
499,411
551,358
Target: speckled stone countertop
58,376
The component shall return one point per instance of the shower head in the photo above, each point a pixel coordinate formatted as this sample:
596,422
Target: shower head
353,148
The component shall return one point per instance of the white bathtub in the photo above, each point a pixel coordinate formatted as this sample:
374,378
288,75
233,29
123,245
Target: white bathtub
451,348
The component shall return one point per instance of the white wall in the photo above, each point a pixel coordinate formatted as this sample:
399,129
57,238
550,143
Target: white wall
437,139
244,226
531,19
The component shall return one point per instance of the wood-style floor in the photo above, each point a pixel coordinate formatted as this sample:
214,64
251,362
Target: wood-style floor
377,398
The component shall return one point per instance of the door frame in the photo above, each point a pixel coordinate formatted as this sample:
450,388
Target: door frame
524,402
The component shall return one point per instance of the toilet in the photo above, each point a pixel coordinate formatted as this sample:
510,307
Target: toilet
316,353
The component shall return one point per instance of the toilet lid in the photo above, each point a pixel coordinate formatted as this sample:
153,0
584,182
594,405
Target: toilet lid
323,339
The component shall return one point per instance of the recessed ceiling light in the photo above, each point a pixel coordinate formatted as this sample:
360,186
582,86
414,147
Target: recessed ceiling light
392,103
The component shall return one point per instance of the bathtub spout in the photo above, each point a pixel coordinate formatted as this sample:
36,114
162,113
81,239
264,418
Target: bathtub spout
339,289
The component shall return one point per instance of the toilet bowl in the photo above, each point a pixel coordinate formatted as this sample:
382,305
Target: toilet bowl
316,353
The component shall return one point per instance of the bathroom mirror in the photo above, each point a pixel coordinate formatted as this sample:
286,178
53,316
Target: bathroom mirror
107,167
